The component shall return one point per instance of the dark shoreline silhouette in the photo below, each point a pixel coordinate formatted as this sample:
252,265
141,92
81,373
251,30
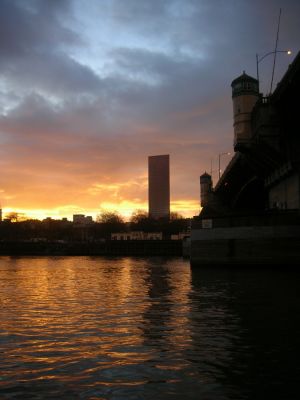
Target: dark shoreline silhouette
109,247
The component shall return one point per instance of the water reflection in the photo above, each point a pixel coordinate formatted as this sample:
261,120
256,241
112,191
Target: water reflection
258,327
125,328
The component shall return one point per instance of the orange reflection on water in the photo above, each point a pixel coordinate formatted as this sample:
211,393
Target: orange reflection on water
115,314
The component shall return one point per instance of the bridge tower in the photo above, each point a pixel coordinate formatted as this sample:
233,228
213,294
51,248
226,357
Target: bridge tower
245,94
206,189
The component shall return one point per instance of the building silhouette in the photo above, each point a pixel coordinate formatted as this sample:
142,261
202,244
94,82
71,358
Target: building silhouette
205,189
245,95
159,186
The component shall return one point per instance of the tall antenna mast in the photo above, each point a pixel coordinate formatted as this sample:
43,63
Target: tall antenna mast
275,51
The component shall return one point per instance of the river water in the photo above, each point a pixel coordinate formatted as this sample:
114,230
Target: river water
151,328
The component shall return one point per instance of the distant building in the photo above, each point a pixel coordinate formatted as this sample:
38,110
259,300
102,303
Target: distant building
136,235
159,186
82,220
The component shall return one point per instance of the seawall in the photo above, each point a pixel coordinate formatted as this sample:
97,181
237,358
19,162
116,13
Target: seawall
251,241
108,248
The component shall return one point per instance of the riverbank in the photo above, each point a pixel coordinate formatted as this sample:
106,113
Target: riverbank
107,248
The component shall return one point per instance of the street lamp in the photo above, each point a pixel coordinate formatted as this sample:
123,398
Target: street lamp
220,155
259,59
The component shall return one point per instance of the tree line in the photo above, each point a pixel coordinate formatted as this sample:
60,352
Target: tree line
18,227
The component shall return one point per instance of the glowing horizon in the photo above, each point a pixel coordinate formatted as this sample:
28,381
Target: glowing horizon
186,209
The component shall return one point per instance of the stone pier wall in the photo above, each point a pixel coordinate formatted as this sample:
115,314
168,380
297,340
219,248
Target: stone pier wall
246,245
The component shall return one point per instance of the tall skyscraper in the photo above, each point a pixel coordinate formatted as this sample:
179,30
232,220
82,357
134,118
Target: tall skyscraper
159,186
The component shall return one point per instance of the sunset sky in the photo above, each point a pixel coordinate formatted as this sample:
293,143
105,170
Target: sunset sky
90,88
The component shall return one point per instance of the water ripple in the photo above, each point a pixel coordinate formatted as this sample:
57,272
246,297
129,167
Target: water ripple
99,328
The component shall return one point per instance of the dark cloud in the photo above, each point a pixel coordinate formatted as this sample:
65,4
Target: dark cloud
32,43
54,73
139,14
25,29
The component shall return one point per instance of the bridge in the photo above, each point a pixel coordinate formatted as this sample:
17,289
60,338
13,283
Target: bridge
261,185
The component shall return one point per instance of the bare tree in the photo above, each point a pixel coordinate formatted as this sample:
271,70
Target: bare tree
175,216
15,216
138,216
110,217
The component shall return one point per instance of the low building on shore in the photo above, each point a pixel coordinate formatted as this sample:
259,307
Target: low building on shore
137,235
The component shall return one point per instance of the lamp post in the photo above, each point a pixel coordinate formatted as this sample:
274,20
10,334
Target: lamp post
220,155
259,59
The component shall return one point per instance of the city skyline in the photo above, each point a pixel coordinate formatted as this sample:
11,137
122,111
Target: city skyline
87,93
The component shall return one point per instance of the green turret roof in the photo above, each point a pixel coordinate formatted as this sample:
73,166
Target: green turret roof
244,78
205,175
